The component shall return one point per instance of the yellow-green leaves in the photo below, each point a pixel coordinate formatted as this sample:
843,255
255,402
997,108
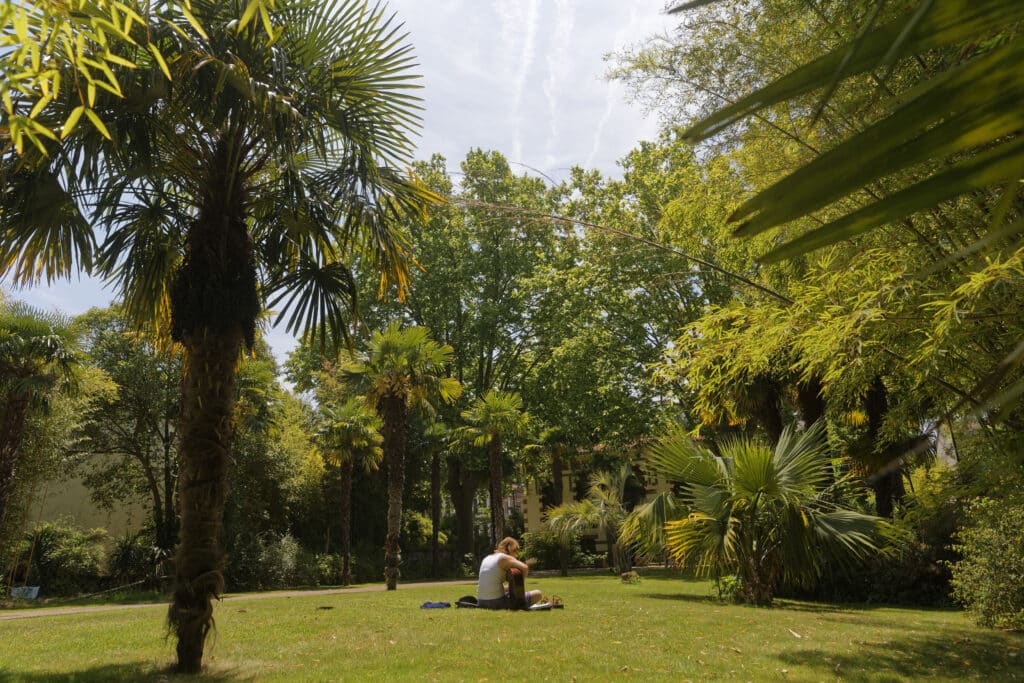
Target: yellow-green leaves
262,8
40,40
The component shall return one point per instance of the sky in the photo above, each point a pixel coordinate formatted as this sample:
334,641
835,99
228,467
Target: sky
523,77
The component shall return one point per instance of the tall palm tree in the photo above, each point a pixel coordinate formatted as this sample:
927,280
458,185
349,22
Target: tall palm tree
762,514
403,369
36,355
349,437
241,168
493,419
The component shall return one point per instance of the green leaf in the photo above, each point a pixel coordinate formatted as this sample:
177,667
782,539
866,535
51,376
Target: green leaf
72,120
949,22
97,123
1005,162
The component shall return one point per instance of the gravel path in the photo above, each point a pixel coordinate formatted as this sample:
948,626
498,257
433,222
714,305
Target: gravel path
58,611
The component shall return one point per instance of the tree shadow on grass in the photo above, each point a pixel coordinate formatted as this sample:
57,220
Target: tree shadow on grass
120,673
686,597
944,654
784,605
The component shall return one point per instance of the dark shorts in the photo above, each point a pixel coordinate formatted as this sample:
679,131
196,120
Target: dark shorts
496,603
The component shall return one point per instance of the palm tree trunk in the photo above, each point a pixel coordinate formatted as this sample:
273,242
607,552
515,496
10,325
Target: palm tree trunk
206,428
497,511
12,430
435,511
346,522
393,412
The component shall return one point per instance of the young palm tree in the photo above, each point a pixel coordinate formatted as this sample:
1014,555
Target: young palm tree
36,355
349,437
403,369
603,509
493,419
760,514
241,168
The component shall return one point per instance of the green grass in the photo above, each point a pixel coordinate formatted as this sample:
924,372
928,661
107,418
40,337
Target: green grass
660,629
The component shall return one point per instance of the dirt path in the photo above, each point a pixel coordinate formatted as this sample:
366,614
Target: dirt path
58,611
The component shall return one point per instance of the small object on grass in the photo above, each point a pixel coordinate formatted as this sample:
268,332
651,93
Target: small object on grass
435,605
630,577
795,634
326,607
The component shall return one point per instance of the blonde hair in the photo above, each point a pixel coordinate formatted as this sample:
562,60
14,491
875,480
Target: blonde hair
507,545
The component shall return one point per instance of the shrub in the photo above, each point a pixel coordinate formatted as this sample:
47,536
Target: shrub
132,558
989,579
314,569
913,565
263,562
65,560
544,546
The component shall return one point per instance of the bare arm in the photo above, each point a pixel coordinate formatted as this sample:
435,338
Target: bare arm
508,562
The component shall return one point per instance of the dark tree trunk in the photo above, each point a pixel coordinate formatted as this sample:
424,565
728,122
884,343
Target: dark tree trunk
886,478
556,478
435,512
394,413
168,535
206,430
888,487
810,402
12,431
346,521
462,486
496,476
764,406
563,559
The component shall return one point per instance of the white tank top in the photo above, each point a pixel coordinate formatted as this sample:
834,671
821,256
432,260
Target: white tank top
489,586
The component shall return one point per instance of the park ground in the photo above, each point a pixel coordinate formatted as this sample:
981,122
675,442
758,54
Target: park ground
662,628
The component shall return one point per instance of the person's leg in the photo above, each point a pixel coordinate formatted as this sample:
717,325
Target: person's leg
533,597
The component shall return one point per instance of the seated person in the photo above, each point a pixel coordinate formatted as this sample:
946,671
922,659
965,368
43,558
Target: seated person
490,591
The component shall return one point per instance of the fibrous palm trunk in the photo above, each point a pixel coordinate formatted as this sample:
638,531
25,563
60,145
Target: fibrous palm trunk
346,522
214,305
206,426
497,510
394,413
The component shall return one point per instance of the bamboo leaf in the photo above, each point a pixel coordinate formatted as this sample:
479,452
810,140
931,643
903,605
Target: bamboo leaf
97,123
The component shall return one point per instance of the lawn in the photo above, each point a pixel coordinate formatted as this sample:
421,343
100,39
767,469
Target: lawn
662,628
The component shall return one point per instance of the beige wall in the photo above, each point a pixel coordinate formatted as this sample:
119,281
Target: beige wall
61,499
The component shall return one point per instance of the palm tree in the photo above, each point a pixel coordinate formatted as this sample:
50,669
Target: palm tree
242,167
401,370
350,436
36,356
493,419
603,509
764,515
